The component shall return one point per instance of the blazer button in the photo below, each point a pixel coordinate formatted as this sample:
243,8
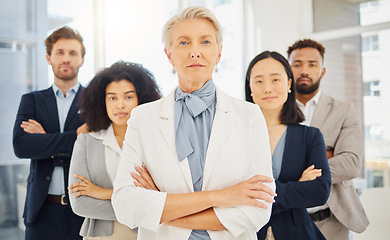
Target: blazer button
61,161
47,178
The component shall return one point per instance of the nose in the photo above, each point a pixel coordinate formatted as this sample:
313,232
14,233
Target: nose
304,71
120,104
66,58
195,53
267,87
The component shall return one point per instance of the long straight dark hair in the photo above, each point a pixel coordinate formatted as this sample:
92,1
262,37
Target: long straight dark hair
291,114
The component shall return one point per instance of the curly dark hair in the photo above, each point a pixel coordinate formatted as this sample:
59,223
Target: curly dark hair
306,43
92,101
291,114
64,32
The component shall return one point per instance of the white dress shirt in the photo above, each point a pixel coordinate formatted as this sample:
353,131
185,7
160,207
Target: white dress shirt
309,108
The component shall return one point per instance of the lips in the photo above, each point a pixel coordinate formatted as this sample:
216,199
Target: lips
65,67
269,98
121,114
304,80
195,65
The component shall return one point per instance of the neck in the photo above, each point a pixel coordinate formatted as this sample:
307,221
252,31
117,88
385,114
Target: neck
119,132
272,118
304,98
64,85
189,86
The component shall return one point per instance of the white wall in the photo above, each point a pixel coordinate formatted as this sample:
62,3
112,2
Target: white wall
278,24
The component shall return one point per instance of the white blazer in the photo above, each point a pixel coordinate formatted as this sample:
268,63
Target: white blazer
238,149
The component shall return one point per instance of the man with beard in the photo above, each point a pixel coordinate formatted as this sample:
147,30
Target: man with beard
343,137
46,127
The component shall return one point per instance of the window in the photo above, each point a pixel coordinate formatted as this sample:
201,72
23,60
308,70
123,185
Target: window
372,88
370,43
369,4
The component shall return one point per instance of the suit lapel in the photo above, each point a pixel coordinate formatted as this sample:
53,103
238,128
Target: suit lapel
73,108
219,133
321,111
52,111
167,129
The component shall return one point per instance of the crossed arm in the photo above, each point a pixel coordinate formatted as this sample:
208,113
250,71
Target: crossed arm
201,214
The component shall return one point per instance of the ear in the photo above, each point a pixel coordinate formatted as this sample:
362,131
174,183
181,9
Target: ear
289,83
323,72
219,55
169,54
82,62
48,59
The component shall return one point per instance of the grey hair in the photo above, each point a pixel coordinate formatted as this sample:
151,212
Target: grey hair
190,13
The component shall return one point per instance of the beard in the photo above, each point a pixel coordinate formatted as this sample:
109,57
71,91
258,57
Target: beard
68,76
307,89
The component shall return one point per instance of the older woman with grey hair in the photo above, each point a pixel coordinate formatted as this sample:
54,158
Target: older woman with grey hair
195,164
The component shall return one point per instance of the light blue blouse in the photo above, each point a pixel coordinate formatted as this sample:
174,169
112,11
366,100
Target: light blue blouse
194,115
277,156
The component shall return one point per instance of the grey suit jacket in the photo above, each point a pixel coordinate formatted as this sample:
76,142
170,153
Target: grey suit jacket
342,133
88,160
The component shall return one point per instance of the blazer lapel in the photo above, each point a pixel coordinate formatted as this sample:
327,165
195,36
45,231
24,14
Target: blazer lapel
52,111
73,108
167,129
321,111
219,133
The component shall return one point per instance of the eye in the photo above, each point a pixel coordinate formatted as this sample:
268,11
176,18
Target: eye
112,98
183,43
60,53
129,97
275,80
313,65
73,54
258,81
206,42
295,65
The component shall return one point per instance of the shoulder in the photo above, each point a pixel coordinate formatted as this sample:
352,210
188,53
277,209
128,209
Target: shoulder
229,103
38,93
150,108
86,138
335,103
302,130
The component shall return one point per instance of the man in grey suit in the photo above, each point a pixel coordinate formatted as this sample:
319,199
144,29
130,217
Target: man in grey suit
343,137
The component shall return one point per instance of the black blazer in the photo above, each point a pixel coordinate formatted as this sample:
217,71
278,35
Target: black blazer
45,150
289,218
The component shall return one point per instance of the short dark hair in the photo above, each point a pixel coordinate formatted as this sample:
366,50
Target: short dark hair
306,43
291,114
64,32
92,101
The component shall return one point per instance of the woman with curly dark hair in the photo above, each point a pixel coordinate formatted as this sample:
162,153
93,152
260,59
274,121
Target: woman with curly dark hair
105,105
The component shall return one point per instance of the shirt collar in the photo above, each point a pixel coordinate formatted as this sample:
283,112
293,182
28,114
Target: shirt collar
313,100
316,97
57,90
108,138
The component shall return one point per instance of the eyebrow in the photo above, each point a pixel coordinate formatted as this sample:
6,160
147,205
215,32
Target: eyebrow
131,91
311,61
272,74
203,36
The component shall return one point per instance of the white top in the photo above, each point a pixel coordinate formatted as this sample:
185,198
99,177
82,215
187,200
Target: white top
309,108
112,151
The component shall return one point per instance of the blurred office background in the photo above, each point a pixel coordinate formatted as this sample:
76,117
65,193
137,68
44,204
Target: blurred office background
356,34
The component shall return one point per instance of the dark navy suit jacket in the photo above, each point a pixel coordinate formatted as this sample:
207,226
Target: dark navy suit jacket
289,218
45,150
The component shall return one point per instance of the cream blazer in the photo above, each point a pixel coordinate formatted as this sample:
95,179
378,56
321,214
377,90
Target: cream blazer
238,149
342,132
